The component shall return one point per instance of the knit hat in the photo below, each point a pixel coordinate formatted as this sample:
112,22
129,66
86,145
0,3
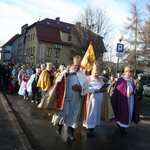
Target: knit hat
128,69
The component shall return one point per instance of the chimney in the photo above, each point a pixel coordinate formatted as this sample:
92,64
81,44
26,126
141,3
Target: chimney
57,19
78,23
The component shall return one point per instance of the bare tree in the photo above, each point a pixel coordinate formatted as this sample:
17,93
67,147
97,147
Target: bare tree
132,31
92,25
145,37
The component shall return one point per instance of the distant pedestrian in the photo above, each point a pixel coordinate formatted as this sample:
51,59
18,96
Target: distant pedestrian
32,86
105,74
25,79
46,79
139,87
111,87
20,74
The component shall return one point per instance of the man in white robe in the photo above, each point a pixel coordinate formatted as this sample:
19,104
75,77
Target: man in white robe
94,101
76,87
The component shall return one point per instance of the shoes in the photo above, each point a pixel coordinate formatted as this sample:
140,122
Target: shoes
36,102
58,129
24,97
71,137
32,101
27,98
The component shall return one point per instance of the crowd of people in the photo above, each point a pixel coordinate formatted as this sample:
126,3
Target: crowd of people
73,95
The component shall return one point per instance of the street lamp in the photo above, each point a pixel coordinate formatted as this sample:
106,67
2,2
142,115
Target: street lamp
119,50
120,38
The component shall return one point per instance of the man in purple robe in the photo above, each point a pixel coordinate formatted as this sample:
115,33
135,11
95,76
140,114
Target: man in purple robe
124,101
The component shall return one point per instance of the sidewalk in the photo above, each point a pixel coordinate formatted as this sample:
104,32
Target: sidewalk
12,136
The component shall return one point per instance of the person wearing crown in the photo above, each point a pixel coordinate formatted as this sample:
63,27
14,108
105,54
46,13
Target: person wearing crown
46,78
76,87
94,101
124,101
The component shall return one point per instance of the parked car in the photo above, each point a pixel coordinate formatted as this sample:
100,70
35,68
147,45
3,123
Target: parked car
146,90
105,80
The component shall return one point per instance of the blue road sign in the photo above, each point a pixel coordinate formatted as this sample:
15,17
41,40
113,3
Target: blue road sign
120,48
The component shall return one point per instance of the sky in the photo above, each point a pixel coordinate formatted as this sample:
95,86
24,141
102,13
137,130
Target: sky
16,13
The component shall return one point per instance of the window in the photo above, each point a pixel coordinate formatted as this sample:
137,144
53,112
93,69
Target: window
33,51
33,36
29,51
49,52
28,38
57,53
69,38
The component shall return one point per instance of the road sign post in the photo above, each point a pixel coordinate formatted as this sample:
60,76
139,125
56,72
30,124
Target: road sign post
119,53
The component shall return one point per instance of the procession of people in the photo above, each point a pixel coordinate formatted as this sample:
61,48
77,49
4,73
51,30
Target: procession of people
70,95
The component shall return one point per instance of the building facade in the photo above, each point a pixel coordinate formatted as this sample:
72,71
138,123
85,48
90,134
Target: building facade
48,41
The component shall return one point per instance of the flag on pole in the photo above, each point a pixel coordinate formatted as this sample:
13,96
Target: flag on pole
89,58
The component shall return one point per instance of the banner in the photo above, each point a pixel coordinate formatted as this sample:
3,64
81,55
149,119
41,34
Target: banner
88,59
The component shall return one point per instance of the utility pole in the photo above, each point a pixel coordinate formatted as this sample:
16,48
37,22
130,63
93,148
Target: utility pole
135,47
119,50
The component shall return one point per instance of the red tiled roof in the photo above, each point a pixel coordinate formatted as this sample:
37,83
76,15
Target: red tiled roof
48,34
49,30
10,41
62,26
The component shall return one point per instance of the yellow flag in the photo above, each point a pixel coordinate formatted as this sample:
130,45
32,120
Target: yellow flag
89,58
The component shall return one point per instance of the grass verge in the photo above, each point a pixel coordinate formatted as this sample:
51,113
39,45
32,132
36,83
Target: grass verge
145,101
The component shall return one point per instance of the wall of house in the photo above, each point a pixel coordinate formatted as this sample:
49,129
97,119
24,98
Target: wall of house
31,47
53,52
65,37
44,52
7,56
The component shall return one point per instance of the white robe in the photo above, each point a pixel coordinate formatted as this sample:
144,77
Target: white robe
69,114
94,104
29,84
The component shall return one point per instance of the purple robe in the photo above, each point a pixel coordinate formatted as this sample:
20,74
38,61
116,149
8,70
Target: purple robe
120,103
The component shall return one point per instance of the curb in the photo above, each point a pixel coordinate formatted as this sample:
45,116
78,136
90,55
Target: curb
19,132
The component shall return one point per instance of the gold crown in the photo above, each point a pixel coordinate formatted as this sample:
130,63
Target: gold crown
77,59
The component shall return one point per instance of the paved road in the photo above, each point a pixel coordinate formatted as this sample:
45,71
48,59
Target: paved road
38,133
